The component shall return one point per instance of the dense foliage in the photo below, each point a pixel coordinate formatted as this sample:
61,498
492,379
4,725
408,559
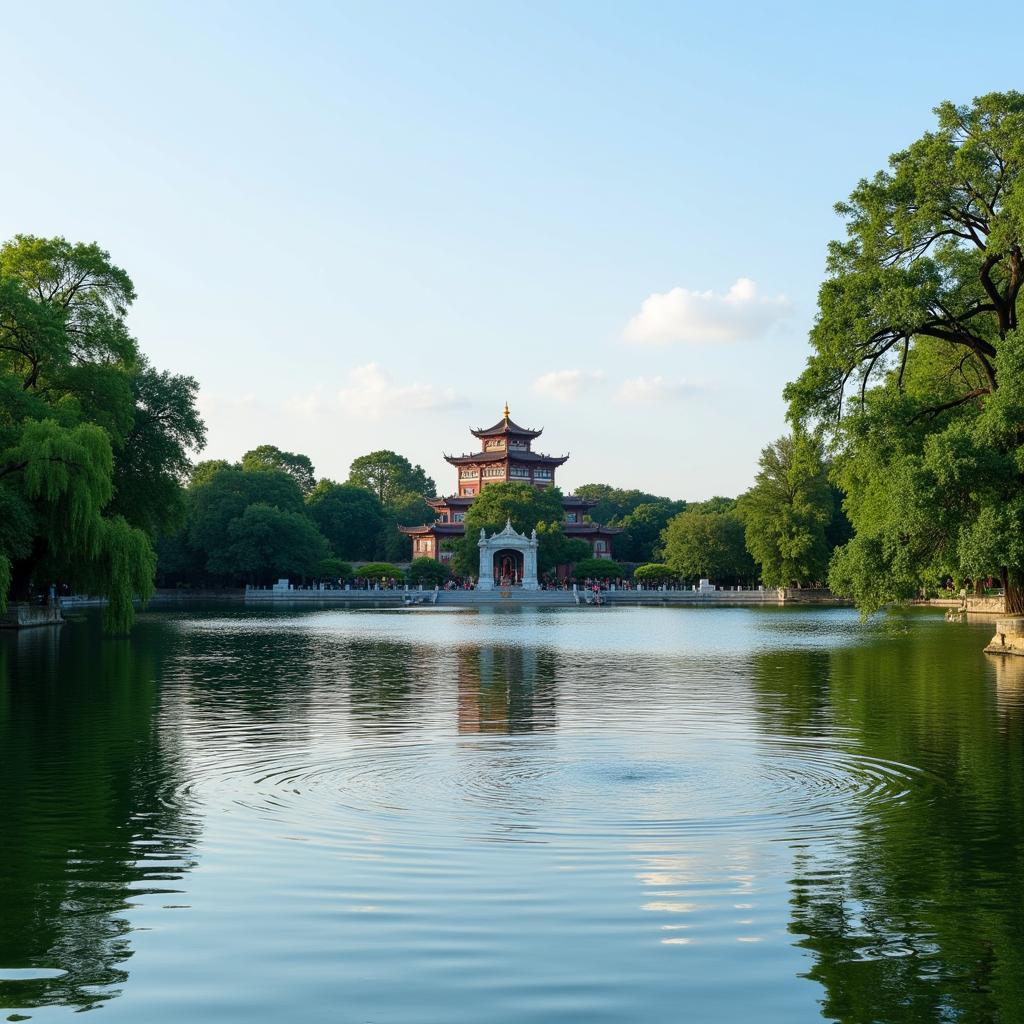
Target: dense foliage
641,516
792,513
654,572
428,571
707,541
917,371
351,518
93,441
401,488
597,569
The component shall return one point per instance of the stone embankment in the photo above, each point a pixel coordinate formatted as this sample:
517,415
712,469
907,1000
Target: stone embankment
542,598
1009,638
969,605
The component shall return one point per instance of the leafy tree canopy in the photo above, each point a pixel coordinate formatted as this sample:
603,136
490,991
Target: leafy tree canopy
654,572
641,539
788,511
428,571
597,568
917,364
615,503
93,441
378,571
391,477
708,545
266,543
298,467
350,517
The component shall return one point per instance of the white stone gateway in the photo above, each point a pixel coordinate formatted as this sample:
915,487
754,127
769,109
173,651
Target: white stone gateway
507,540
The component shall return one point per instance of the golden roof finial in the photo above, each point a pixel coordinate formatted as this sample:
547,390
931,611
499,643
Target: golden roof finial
506,410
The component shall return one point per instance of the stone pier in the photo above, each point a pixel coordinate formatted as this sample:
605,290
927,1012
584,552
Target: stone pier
1009,638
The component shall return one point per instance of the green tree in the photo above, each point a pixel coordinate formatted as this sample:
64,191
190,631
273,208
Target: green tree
597,568
917,371
708,545
788,511
428,571
350,517
376,571
298,467
641,539
221,500
615,503
555,548
152,465
266,543
85,480
527,508
334,568
654,572
391,477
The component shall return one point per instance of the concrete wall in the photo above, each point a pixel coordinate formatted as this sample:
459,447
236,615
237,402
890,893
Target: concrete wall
20,615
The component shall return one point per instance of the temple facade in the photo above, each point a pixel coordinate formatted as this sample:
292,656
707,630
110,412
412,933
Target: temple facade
506,455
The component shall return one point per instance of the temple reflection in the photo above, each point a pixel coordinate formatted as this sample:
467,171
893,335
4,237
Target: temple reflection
505,690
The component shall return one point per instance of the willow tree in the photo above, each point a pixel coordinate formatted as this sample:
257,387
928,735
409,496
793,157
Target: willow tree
82,418
917,371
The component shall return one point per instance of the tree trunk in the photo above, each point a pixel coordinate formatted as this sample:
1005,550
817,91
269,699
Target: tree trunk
1014,600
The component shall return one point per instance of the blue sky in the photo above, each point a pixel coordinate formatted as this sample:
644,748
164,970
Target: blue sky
365,226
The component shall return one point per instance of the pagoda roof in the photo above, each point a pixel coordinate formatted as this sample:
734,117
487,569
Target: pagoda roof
448,529
481,457
575,529
465,500
455,500
505,426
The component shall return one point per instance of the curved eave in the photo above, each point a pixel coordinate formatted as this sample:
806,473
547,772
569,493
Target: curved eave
434,529
506,428
488,458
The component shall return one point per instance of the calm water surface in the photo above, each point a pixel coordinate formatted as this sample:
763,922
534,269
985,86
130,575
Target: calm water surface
545,815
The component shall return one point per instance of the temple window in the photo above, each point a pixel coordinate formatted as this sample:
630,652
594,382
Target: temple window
494,471
519,471
460,517
467,474
542,474
496,445
570,517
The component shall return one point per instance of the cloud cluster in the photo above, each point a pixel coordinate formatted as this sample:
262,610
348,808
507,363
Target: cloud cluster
684,315
373,392
571,385
567,385
644,390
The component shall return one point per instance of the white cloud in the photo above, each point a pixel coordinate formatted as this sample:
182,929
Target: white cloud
641,390
567,385
685,315
373,392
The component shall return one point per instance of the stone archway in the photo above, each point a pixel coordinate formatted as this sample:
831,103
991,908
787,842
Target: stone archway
507,542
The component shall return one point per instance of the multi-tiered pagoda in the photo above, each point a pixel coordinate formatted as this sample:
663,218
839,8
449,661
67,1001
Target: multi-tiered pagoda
506,454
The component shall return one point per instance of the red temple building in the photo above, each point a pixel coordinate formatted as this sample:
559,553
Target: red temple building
506,455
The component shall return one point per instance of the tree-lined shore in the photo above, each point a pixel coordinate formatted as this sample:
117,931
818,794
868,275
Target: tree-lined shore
903,468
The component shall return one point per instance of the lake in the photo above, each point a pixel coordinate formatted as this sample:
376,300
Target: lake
537,815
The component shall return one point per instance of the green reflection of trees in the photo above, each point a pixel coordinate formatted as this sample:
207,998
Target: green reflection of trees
88,810
917,914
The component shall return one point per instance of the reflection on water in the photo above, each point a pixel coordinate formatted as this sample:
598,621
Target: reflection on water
555,815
